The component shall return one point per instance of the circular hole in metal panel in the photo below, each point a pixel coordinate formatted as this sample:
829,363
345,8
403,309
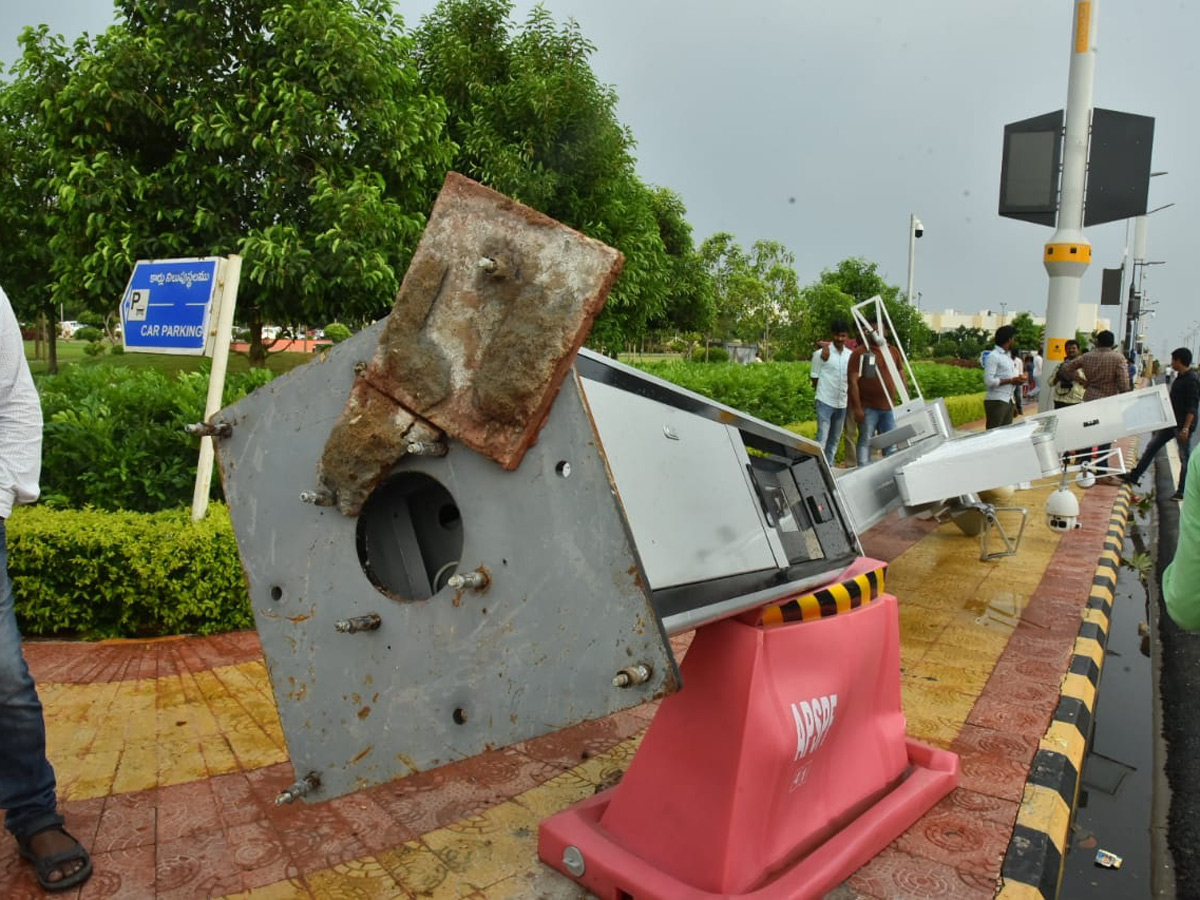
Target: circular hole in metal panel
460,716
410,536
563,469
276,593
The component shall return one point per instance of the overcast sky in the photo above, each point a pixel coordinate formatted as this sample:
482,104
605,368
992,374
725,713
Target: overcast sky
824,125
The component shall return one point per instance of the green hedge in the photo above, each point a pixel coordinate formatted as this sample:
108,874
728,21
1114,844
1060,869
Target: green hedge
774,392
98,574
114,436
781,392
965,408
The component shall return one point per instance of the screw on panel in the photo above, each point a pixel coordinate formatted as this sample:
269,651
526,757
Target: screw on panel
631,675
360,367
354,624
573,861
298,789
318,498
209,429
477,580
487,264
426,448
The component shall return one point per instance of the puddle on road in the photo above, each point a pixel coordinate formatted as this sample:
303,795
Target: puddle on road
1114,801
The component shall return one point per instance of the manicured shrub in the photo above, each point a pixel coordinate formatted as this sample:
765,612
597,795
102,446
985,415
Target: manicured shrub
101,574
781,392
965,408
114,436
88,333
776,392
336,332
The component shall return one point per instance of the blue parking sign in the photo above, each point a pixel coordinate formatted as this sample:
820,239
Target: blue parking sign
168,305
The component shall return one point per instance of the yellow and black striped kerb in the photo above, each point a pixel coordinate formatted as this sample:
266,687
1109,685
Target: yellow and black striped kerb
837,598
1034,861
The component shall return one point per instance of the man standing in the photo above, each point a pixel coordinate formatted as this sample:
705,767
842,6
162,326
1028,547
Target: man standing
26,778
1185,395
830,364
1104,373
1067,391
1000,377
872,392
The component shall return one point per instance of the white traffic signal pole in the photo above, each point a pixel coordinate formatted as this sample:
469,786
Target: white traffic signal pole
1068,253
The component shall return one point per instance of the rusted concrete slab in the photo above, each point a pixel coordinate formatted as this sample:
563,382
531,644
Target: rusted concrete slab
371,435
496,302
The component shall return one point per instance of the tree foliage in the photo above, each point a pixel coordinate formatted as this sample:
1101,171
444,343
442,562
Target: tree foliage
824,303
860,279
531,120
691,303
26,194
294,133
757,292
1028,335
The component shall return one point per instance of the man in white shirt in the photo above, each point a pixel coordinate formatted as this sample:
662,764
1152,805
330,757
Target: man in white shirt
27,786
999,378
829,367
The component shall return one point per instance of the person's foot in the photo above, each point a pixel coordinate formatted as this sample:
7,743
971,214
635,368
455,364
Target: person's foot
60,861
1130,479
1178,495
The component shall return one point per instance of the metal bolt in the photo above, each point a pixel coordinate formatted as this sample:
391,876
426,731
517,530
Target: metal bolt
573,861
209,429
354,624
477,579
298,789
320,497
360,367
426,448
631,675
487,264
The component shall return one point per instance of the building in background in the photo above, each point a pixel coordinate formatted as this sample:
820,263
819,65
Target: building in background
1088,320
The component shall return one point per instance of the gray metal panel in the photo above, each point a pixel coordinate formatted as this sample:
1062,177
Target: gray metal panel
536,651
1029,168
869,493
1118,183
685,489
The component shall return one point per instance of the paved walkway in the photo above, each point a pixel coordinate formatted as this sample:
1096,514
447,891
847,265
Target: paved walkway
169,753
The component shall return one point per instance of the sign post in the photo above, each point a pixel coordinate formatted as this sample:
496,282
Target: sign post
231,277
168,307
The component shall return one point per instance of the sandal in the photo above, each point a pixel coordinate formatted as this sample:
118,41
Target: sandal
45,866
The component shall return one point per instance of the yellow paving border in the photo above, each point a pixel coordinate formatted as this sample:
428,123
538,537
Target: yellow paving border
1033,865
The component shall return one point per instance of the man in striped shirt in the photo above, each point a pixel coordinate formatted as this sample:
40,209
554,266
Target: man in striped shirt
27,786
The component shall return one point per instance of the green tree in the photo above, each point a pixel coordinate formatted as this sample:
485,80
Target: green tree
772,298
531,120
822,304
293,132
728,271
1028,333
26,198
861,280
691,298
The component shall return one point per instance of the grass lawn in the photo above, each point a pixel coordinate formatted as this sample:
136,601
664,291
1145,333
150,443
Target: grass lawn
71,353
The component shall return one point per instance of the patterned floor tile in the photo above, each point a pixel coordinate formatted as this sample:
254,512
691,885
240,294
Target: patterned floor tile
895,875
121,875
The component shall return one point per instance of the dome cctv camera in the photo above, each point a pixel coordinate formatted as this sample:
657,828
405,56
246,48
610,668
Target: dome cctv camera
1062,511
918,228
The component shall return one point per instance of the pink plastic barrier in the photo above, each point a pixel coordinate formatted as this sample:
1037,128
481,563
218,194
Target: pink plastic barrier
779,769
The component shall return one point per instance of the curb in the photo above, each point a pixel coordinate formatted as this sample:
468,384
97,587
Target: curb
1033,865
